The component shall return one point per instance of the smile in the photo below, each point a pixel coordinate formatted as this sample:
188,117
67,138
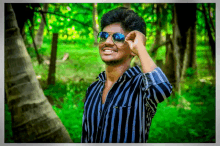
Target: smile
108,51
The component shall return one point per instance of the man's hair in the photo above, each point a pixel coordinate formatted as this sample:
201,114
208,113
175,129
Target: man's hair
128,18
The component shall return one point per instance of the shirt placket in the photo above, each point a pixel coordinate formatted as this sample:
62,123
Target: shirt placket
103,112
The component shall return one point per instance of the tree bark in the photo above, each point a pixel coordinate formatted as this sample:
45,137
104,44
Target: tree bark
157,41
39,36
33,119
190,50
184,27
95,23
39,58
210,18
192,44
176,51
211,39
186,57
53,58
169,67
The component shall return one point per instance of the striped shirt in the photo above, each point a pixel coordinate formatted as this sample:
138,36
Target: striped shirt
130,105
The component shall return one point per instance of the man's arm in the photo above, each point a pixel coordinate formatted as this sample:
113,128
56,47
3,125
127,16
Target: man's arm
136,41
147,63
155,81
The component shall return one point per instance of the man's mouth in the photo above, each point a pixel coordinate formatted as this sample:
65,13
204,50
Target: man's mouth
108,51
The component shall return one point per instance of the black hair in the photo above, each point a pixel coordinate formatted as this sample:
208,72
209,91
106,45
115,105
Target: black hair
128,18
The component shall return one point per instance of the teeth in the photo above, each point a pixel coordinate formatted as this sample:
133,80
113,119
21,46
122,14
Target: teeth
108,51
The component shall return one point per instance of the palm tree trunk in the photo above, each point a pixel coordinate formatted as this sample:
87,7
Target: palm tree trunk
33,119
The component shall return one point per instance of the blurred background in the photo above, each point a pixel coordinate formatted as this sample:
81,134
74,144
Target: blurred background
180,39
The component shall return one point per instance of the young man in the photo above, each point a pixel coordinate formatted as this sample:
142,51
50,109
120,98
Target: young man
119,107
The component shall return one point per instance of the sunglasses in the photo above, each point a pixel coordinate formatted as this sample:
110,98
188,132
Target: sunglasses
118,38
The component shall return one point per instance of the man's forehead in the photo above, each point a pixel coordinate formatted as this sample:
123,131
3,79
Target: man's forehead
114,28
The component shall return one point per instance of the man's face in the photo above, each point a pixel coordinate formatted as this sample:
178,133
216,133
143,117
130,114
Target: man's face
111,53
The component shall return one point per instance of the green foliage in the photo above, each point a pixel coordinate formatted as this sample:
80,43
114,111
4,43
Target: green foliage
8,126
190,72
193,122
72,111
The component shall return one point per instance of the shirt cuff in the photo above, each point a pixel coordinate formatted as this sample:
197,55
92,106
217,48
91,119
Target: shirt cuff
153,78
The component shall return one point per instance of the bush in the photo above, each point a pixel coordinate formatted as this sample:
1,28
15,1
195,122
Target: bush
72,112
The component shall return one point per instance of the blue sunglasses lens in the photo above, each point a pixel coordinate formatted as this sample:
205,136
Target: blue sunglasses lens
117,37
102,36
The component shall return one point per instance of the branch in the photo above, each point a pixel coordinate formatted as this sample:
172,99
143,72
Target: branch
160,45
84,24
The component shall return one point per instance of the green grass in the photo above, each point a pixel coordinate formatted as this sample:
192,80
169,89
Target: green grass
192,121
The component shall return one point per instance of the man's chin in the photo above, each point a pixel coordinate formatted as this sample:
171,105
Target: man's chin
112,62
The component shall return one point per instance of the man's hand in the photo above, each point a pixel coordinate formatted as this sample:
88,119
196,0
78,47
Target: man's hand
136,41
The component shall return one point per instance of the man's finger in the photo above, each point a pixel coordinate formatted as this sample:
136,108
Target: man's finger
129,43
130,36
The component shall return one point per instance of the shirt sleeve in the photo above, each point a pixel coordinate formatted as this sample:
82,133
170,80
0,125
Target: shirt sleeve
157,84
84,131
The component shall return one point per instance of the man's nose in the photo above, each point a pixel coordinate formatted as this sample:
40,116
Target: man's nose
109,41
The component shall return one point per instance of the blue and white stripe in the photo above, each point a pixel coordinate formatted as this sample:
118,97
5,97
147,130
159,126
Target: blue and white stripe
129,107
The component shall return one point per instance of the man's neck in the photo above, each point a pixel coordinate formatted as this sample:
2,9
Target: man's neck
114,72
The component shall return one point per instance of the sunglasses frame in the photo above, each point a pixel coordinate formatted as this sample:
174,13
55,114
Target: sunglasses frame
114,41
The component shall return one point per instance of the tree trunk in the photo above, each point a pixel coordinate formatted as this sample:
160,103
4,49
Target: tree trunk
40,33
210,18
176,51
127,5
39,58
53,58
184,27
192,44
169,67
164,17
33,119
190,50
186,57
211,39
95,24
158,30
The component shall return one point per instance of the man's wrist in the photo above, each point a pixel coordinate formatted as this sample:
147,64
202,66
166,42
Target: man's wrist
140,49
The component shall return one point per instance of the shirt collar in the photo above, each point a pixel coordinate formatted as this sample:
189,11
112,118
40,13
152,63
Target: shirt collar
131,72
